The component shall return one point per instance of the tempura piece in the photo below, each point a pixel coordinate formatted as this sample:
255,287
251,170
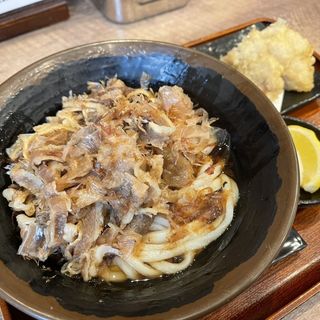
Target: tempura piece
275,59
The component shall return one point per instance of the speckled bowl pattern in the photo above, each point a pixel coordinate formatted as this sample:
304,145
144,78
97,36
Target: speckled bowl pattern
263,162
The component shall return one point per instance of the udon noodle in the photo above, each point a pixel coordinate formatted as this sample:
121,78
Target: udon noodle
125,183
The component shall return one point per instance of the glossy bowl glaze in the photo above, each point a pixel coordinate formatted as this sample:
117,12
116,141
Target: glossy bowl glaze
263,162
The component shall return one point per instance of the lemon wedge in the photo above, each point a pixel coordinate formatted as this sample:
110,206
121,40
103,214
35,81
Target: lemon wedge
308,152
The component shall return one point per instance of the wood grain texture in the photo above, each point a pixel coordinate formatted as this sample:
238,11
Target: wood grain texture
287,279
282,282
32,17
306,306
222,33
197,19
4,311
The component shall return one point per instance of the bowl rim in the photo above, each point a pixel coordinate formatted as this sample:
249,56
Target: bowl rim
44,311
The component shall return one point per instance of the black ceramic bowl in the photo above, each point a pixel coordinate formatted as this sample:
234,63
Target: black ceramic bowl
263,160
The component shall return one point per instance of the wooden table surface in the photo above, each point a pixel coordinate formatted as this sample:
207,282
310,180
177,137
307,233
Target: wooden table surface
199,18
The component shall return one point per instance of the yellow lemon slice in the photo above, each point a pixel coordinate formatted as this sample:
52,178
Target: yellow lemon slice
308,151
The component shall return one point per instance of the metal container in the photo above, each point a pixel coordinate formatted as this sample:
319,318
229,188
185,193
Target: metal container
125,11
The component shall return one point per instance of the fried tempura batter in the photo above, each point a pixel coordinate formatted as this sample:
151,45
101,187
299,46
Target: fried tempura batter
275,59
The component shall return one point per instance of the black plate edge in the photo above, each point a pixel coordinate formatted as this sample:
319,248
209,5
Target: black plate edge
292,100
295,121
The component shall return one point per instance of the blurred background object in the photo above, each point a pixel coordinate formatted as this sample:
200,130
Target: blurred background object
125,11
197,19
17,17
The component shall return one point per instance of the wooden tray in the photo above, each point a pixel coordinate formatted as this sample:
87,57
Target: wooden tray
293,276
218,44
285,281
